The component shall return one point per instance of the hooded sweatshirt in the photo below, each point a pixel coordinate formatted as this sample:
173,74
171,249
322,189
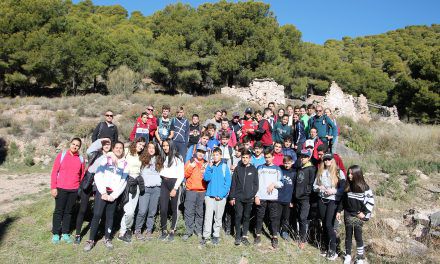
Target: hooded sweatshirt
194,176
285,192
304,181
244,185
218,178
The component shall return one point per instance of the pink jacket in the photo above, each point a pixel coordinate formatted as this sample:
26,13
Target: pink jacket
68,173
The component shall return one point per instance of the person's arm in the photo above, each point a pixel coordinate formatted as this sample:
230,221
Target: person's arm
156,134
233,184
180,172
116,134
121,184
227,182
99,177
233,139
186,137
331,126
279,183
255,182
189,169
341,184
55,170
133,132
368,206
96,146
316,187
207,176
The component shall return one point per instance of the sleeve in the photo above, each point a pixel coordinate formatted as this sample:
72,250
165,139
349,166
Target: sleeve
95,132
96,145
369,202
83,170
98,178
233,139
259,194
341,203
121,184
207,176
55,170
180,173
316,186
133,132
227,182
116,134
233,184
189,153
256,182
186,132
341,184
279,183
188,169
331,124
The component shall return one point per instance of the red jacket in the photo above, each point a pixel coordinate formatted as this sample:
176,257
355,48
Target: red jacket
152,122
278,158
266,139
232,141
140,125
245,125
68,173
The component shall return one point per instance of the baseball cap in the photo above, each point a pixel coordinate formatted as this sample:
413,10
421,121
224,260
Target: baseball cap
306,152
201,148
310,143
248,110
235,114
327,156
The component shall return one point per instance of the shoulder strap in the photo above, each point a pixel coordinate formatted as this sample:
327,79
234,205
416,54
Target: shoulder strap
63,154
230,152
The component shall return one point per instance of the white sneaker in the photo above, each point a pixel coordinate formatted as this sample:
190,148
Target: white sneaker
347,259
359,261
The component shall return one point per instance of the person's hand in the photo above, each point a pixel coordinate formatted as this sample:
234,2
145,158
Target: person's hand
110,198
295,146
233,167
338,216
329,137
173,193
113,157
105,141
291,205
104,197
239,133
322,188
361,215
54,193
270,188
257,201
232,202
193,164
330,191
217,198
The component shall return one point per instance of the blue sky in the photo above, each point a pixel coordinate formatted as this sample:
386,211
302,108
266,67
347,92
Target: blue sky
320,20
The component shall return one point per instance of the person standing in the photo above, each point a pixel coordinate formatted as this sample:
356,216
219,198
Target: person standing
323,124
164,127
285,196
67,173
106,129
180,126
141,128
194,130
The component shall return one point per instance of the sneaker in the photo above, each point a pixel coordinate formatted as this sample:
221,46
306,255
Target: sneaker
203,241
186,237
245,241
66,238
347,259
163,236
257,240
138,235
171,237
215,240
285,236
301,245
359,260
274,242
89,245
237,241
332,255
129,234
323,252
148,235
77,240
56,239
108,244
124,238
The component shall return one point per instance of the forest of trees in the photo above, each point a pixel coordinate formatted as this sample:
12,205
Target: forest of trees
66,47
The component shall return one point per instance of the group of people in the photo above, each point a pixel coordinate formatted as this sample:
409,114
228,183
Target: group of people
280,169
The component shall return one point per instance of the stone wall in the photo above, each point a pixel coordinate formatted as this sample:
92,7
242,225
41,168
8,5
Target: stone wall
260,91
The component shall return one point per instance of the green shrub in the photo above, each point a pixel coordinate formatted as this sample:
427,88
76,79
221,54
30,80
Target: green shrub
123,81
5,121
15,129
62,117
83,129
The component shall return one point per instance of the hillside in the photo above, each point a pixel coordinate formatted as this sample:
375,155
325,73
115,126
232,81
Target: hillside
54,47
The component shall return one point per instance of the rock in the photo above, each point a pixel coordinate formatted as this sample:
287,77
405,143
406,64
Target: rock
421,175
435,234
415,248
260,91
385,247
433,188
344,151
420,231
435,220
391,224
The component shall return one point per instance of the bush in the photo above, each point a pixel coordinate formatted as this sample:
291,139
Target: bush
123,81
15,129
83,129
62,117
5,121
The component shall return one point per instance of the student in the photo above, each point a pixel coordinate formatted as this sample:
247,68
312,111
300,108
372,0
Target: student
304,118
238,149
248,125
106,129
310,110
135,185
195,193
180,127
67,173
226,129
323,124
96,152
216,120
322,149
280,115
110,181
224,113
228,152
258,156
141,128
314,142
194,130
172,175
191,153
278,154
235,125
218,178
288,148
248,143
329,184
303,187
281,129
263,132
212,142
269,181
334,140
285,195
151,121
244,187
298,133
164,126
269,116
151,164
357,203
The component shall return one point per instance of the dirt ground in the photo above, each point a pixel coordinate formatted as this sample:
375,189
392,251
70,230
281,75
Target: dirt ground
21,189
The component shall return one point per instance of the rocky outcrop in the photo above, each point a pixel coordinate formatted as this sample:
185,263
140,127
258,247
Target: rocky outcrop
260,91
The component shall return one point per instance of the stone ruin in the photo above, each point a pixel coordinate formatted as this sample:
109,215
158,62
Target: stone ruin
356,108
260,91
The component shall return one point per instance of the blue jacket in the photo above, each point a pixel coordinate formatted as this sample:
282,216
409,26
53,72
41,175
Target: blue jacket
213,143
257,162
290,152
285,193
280,132
323,124
218,177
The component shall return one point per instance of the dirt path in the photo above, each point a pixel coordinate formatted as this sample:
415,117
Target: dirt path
21,189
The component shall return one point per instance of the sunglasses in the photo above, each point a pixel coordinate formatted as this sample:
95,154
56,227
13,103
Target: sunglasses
109,115
327,159
150,109
309,147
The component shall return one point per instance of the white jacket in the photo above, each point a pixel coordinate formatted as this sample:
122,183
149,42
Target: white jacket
110,176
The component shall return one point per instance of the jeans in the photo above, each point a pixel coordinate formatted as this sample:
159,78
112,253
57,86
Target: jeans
303,207
148,203
353,224
62,214
327,211
84,204
165,188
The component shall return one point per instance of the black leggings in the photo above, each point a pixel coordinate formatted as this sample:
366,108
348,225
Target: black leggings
62,214
84,204
327,210
100,206
165,188
353,224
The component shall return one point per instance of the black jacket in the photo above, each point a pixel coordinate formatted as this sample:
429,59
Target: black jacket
131,188
244,185
102,130
304,182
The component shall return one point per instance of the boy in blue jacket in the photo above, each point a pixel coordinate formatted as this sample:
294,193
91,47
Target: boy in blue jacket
285,195
218,177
